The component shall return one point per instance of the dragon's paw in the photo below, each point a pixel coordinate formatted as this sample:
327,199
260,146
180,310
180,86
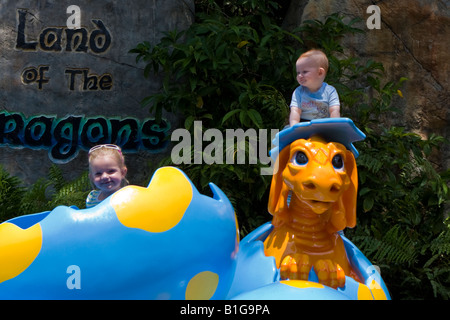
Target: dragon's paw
329,273
295,267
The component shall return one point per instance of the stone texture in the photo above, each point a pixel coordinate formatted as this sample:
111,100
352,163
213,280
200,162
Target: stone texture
128,23
413,43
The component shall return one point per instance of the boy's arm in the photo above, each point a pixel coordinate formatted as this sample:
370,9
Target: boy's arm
335,111
294,116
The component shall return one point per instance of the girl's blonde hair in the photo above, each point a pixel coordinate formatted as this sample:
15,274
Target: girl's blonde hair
110,150
319,57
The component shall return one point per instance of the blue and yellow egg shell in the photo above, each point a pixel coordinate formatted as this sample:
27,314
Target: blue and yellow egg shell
166,241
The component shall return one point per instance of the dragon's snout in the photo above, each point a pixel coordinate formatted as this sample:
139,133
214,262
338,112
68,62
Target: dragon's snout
322,189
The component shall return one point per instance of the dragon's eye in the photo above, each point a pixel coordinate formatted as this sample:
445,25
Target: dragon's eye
300,158
337,161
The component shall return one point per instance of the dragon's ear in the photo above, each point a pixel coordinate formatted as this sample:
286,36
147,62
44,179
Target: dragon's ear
278,190
344,211
349,196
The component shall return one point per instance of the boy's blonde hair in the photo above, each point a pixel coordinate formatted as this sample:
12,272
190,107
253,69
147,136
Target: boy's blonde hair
319,57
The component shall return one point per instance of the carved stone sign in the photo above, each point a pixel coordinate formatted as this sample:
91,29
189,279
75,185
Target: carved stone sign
67,81
63,137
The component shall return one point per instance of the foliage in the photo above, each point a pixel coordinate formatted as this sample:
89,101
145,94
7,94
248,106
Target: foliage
43,195
401,207
68,192
11,193
227,65
224,71
233,68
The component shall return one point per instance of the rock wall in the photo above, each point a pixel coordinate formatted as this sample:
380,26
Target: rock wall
412,42
67,82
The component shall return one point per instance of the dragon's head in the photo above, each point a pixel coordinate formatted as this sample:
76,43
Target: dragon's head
321,174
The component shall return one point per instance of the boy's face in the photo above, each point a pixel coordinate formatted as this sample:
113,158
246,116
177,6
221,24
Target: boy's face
309,74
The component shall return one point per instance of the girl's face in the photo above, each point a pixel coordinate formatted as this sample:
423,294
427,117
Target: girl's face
106,174
309,74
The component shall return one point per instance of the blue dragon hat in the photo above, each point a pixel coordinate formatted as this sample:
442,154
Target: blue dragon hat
341,130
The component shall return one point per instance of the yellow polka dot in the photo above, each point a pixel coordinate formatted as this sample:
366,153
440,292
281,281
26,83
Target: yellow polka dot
302,284
377,291
18,249
202,286
364,292
157,208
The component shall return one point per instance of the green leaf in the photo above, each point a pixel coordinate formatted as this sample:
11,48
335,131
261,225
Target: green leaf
188,122
242,44
256,118
368,204
364,191
230,114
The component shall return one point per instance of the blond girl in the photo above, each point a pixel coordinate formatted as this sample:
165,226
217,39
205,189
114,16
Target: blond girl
107,172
